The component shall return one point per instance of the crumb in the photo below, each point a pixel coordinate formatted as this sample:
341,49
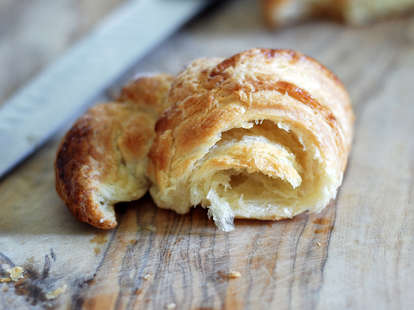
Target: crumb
138,291
101,221
97,250
15,273
4,280
318,244
133,242
54,294
147,277
230,274
234,274
171,306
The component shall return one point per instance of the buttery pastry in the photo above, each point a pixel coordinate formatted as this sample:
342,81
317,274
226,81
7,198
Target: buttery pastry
103,158
264,134
356,12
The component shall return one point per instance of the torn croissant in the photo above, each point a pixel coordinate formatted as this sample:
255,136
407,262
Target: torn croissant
264,134
103,158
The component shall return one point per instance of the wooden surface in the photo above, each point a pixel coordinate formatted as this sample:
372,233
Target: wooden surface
357,254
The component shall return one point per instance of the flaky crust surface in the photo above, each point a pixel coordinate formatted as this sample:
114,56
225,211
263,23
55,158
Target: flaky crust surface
214,125
102,159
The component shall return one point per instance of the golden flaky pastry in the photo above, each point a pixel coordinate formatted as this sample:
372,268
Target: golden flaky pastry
357,12
103,158
264,134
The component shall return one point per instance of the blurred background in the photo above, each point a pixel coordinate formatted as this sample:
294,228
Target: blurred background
34,33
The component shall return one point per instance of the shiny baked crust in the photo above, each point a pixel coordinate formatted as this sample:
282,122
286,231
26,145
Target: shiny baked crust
355,12
102,159
264,134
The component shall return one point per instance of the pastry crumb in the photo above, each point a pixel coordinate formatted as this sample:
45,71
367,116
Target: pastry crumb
234,274
147,277
171,306
15,273
56,293
318,244
230,275
5,280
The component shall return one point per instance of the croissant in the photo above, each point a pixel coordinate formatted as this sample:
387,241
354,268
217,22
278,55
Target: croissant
103,158
264,134
357,12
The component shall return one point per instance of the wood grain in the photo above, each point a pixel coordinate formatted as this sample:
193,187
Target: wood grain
356,254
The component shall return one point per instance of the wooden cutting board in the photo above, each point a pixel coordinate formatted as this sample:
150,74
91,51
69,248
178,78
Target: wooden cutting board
357,254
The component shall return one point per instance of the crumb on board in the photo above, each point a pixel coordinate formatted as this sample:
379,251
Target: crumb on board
4,280
230,275
15,274
147,277
171,306
318,244
56,293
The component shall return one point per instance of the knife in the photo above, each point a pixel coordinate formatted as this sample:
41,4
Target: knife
41,107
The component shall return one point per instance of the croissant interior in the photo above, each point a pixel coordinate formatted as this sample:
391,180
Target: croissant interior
264,170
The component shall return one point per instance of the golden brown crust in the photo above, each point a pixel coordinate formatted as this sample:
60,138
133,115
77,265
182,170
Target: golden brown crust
102,159
148,91
192,102
215,96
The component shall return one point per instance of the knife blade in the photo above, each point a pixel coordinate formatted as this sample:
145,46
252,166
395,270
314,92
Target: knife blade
41,107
